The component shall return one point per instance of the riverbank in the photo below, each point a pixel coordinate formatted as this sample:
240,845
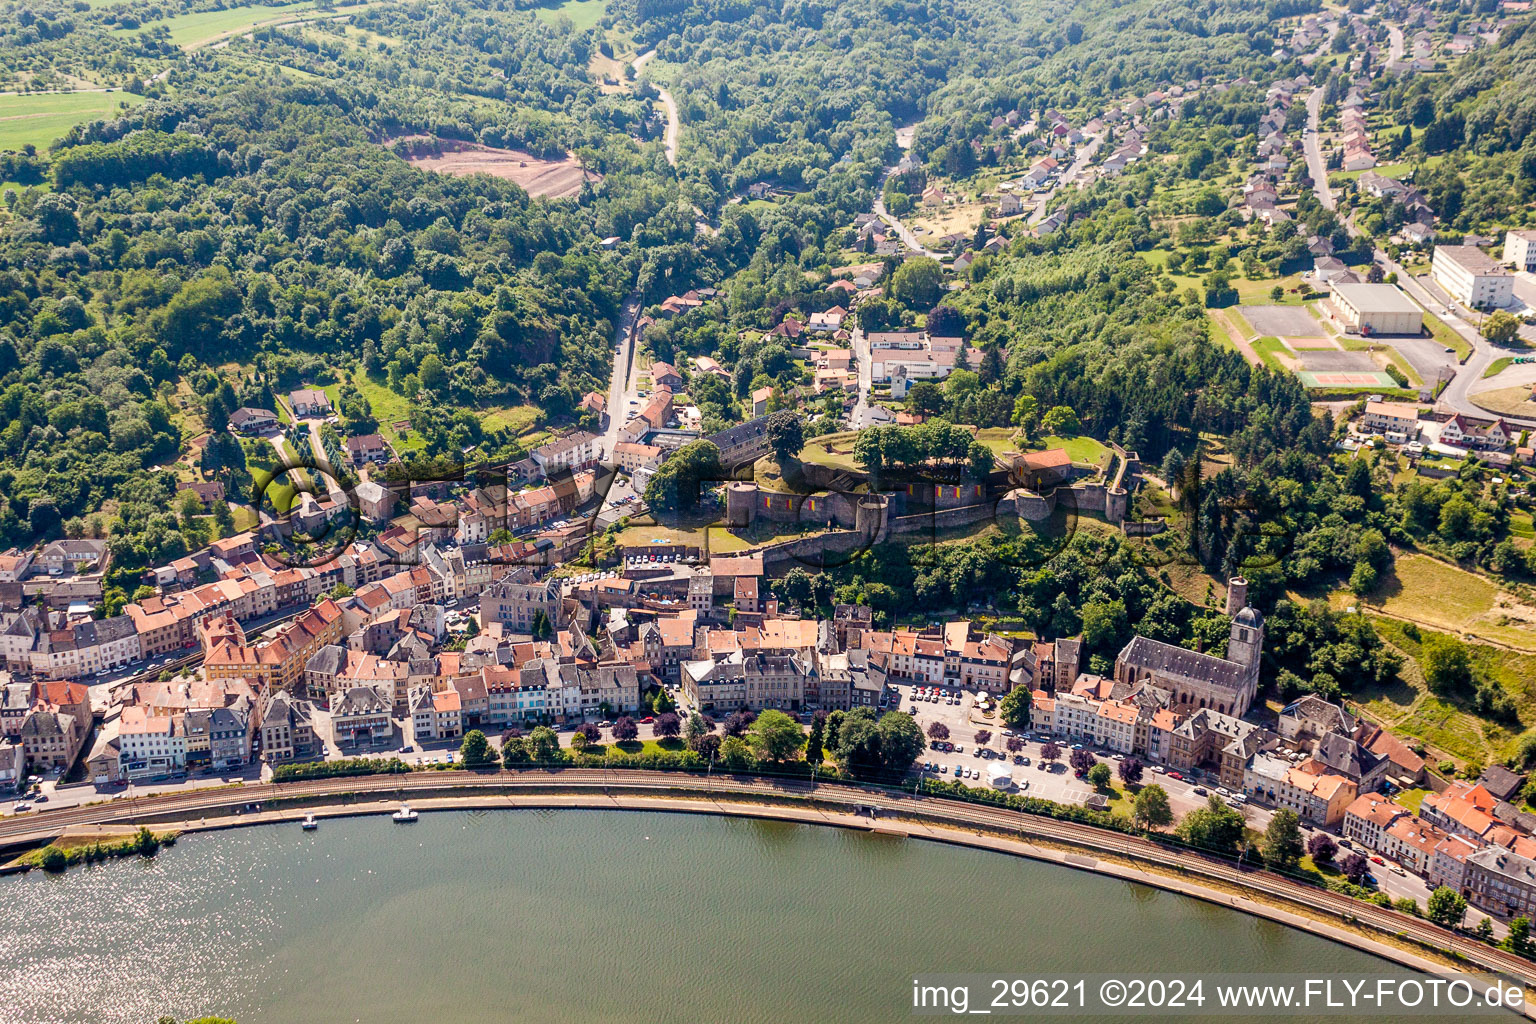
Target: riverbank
1381,932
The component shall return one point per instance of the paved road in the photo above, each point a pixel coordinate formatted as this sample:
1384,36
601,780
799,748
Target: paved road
668,103
620,387
902,231
1317,168
1395,44
1080,160
887,803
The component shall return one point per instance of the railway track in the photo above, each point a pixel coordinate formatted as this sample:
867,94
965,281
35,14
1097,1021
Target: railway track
34,828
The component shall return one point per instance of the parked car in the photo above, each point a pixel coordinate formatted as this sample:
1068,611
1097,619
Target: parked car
1202,791
1176,775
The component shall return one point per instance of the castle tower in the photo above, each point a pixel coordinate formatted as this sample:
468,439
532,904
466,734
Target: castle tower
1237,595
740,503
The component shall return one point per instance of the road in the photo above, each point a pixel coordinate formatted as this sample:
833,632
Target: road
902,231
668,104
317,448
1317,168
1395,48
1080,159
620,387
889,804
1425,292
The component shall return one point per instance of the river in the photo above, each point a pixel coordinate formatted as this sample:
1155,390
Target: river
567,917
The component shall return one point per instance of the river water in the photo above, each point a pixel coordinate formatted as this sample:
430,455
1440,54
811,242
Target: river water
569,917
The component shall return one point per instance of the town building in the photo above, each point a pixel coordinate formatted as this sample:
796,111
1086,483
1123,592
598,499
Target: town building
1472,277
1520,249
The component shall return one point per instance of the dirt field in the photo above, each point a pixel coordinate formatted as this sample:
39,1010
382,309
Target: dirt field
557,179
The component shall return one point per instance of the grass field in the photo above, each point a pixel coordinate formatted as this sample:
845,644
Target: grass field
583,13
1497,366
819,451
1440,596
42,117
387,408
200,27
1086,451
1269,350
1446,724
698,529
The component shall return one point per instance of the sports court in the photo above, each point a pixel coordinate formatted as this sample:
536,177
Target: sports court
1346,379
1283,321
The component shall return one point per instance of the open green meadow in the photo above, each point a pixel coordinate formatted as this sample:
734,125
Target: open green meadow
39,118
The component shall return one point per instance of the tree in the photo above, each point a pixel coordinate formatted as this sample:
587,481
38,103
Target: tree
1483,930
1322,848
1061,420
1354,866
1151,808
1013,709
475,751
1081,761
867,744
1215,827
938,731
737,724
543,745
1130,771
625,729
1282,847
1447,907
1518,941
1099,775
580,742
1014,744
55,860
1050,752
774,736
736,755
785,435
1447,665
925,398
697,730
983,737
918,283
946,321
668,725
1501,327
677,482
814,754
708,746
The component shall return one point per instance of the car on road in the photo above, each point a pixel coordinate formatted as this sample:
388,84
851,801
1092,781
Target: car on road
1202,791
20,805
1378,860
1223,791
1176,775
1159,769
1077,746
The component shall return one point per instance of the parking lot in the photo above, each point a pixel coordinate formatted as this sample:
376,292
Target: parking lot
963,721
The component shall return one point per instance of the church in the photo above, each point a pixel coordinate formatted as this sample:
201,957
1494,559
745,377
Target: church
1227,685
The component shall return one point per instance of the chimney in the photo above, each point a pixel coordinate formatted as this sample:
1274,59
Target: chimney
1237,595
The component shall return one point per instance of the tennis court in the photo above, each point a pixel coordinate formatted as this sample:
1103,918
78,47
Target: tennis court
1355,379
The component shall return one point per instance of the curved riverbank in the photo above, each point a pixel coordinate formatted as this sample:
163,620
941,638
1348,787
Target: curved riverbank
563,917
1384,932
